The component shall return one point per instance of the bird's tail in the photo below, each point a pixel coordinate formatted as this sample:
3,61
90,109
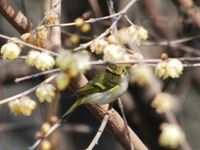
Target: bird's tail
70,110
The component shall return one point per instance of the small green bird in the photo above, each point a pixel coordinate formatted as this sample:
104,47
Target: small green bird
102,89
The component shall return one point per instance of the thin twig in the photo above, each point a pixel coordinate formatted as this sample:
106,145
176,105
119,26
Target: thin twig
17,80
113,25
29,45
91,20
48,13
99,133
169,43
27,91
125,122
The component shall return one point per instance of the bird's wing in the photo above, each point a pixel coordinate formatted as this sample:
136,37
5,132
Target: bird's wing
97,84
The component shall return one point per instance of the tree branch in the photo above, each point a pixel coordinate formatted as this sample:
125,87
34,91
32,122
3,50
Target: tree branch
15,17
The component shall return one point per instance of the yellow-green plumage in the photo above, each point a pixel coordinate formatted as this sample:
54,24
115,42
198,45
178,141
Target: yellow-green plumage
103,89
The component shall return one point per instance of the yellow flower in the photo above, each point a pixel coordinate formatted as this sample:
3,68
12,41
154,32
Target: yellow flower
81,63
45,92
44,62
10,50
36,37
170,67
64,59
140,74
133,34
115,53
73,63
23,106
62,81
112,39
162,102
30,58
171,136
51,19
98,45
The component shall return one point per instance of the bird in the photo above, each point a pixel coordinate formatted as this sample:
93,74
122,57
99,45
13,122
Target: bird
105,88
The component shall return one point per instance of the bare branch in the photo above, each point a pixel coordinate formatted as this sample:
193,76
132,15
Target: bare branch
15,17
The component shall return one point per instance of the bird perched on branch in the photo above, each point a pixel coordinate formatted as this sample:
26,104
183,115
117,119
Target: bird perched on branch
102,89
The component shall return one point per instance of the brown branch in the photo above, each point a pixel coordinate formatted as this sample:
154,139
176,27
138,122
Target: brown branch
15,17
115,124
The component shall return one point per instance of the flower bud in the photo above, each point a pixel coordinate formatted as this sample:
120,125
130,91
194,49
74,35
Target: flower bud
45,145
45,127
85,28
79,22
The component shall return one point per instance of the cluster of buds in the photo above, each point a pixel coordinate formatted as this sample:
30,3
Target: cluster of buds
46,92
23,106
131,34
80,22
170,67
45,144
162,102
40,60
10,50
36,37
171,135
72,65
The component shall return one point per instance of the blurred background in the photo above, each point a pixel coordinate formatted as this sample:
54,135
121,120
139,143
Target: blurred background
167,21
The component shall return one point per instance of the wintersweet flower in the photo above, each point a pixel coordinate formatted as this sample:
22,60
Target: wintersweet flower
23,106
171,135
162,102
44,62
115,53
140,74
45,92
62,81
170,67
64,59
36,37
10,50
98,45
73,63
133,34
31,57
81,62
51,19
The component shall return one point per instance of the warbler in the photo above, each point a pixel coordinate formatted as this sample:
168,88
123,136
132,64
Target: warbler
102,89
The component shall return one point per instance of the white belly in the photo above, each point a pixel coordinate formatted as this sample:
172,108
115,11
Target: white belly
107,97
